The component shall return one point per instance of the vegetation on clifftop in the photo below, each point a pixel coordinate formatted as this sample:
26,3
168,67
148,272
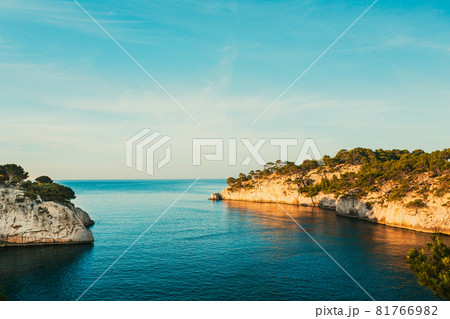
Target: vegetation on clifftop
43,188
12,174
376,168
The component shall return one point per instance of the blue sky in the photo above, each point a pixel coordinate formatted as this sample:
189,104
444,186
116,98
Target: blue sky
70,97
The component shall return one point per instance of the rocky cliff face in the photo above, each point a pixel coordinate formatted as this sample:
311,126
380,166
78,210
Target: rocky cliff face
434,217
27,222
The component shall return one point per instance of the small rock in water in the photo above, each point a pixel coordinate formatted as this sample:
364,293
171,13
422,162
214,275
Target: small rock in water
215,196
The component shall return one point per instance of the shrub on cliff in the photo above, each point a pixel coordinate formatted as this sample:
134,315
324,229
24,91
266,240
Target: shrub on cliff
443,187
43,187
3,176
44,179
50,192
417,203
47,190
231,181
56,192
12,174
432,268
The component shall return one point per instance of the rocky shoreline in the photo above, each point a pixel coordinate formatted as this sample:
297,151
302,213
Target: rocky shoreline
25,222
434,217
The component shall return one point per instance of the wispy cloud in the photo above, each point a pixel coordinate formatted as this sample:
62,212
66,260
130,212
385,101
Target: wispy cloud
66,15
387,81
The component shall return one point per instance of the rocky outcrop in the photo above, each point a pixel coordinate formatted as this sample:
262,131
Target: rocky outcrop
215,196
434,217
27,222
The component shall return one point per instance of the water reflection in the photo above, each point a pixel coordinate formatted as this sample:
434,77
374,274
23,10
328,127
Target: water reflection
324,222
374,254
202,250
42,272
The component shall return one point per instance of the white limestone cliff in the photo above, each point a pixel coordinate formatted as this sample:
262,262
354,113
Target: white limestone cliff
27,222
434,217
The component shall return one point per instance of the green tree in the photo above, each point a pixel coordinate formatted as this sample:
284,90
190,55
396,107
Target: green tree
12,174
3,175
25,185
44,179
432,268
48,192
54,192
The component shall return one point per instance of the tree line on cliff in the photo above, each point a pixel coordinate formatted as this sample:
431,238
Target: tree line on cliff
42,188
375,169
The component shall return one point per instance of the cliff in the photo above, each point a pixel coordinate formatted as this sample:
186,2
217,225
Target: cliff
435,217
393,194
24,221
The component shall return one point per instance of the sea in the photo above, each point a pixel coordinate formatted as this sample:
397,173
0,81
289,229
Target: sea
156,241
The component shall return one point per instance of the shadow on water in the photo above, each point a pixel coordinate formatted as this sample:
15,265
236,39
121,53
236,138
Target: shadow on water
374,254
41,272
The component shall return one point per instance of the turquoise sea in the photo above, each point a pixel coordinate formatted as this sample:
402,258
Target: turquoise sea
203,250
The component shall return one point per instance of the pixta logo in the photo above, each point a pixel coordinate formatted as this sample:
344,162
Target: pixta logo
308,150
141,148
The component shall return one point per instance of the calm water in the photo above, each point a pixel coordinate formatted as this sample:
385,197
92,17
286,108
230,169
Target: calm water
202,250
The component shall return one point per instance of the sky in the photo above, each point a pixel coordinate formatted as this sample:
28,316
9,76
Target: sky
70,97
